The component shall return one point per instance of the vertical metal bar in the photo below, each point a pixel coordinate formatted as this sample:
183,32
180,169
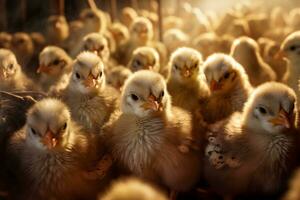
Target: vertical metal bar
23,13
113,9
61,7
160,19
3,17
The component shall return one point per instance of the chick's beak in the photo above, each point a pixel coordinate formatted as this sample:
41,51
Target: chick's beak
280,55
214,85
49,139
152,104
43,69
282,119
187,73
90,81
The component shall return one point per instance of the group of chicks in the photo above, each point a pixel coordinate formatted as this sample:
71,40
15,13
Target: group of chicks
196,116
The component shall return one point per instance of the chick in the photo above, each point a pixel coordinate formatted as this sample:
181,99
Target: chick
96,43
175,38
117,76
128,16
253,152
120,33
39,42
5,40
23,48
93,21
48,151
141,33
90,100
150,137
57,30
132,189
229,87
246,51
54,67
207,44
186,78
144,58
11,75
290,49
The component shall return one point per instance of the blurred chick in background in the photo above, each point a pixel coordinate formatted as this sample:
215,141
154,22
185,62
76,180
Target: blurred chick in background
5,40
11,75
57,30
246,51
145,58
54,69
117,76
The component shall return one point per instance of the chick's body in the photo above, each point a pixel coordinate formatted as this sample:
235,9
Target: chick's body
91,102
246,51
145,137
253,152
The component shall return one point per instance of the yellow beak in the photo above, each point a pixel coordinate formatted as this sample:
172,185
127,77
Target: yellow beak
49,139
214,85
90,81
43,69
282,119
151,104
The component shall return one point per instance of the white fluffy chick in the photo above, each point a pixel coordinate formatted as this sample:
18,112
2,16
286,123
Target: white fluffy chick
186,78
290,49
128,16
117,76
253,153
229,87
150,137
57,30
246,51
98,44
132,189
52,155
11,75
54,68
90,100
145,58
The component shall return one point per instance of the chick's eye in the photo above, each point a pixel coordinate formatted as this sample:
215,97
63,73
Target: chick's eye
64,126
33,131
175,66
10,66
56,62
262,110
100,74
134,97
292,48
226,75
162,94
77,75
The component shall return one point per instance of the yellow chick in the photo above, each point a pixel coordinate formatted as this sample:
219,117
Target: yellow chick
253,153
186,78
175,38
229,87
128,16
144,58
132,189
11,75
5,40
57,30
90,100
149,124
117,76
54,69
246,51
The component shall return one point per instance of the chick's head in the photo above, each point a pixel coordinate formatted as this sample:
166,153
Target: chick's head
88,73
145,93
48,124
271,108
9,66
